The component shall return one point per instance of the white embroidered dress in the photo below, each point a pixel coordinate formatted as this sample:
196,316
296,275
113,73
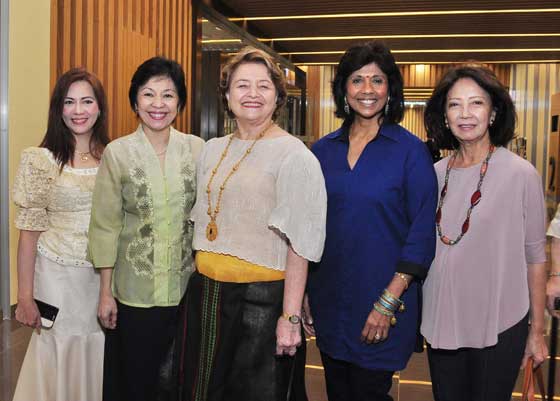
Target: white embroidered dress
64,363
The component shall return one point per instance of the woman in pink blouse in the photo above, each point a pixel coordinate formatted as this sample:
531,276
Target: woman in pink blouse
487,281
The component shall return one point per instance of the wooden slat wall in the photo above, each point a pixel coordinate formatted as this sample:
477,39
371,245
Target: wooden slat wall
414,121
320,105
112,37
427,75
532,85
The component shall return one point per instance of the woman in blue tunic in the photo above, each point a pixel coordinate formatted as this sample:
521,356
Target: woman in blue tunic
382,194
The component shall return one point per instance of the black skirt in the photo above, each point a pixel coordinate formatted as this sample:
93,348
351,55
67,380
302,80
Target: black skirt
138,354
225,348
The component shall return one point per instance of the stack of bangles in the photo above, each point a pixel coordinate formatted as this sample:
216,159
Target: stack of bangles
388,304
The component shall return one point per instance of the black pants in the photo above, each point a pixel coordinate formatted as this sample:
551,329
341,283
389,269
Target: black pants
349,382
136,353
486,374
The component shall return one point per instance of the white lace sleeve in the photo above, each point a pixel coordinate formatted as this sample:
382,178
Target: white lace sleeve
32,188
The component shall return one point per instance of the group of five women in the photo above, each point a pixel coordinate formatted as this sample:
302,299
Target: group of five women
211,260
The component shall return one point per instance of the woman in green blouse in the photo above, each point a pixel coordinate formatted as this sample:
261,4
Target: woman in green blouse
140,235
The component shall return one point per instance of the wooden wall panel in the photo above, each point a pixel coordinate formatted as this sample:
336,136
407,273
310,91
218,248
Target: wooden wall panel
111,38
532,86
320,105
427,75
414,121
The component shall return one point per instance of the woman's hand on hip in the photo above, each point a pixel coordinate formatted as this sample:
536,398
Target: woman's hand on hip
107,311
535,348
28,314
376,328
288,337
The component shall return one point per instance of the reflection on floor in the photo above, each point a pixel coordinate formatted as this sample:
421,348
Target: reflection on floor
412,384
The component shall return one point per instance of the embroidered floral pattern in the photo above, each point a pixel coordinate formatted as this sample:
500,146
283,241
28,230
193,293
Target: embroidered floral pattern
57,203
140,250
188,197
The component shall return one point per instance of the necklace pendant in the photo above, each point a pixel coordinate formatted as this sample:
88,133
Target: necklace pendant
84,158
212,230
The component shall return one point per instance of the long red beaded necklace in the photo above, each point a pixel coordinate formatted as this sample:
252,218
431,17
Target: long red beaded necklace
475,198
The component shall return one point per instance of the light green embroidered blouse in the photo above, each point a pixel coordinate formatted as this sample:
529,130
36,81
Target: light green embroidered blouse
140,218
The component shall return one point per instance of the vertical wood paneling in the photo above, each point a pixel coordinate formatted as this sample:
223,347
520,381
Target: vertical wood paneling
532,85
66,22
54,41
427,75
414,121
111,38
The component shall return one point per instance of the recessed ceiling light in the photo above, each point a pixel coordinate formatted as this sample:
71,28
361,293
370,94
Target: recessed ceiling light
399,14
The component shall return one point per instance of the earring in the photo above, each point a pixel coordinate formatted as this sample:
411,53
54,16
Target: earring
491,121
446,124
387,105
346,107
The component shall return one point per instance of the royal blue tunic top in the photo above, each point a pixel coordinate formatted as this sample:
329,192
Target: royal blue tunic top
380,220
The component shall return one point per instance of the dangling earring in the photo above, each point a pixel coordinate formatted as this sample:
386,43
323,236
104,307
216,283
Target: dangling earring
446,123
346,107
387,105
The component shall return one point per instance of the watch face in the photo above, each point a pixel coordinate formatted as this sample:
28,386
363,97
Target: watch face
294,319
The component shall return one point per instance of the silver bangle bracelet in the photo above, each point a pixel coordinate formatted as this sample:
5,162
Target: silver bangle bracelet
554,274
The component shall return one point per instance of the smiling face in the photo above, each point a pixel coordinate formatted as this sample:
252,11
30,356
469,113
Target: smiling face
80,109
468,111
252,94
157,104
367,91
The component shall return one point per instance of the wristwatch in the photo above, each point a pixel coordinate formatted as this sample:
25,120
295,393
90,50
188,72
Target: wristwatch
293,319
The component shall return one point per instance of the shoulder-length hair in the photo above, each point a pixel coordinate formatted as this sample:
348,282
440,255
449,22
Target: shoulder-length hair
251,54
501,131
58,138
355,58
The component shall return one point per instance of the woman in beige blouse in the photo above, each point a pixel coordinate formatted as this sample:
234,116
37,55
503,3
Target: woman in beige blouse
259,218
53,189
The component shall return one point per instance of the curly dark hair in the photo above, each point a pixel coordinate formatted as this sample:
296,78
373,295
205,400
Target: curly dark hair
355,58
502,131
251,54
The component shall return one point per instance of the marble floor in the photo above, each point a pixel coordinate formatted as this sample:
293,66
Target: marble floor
412,384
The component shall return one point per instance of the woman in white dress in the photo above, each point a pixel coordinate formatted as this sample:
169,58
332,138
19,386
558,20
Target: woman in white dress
53,190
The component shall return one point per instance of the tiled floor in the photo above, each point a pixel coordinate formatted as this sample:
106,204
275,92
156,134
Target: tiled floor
412,384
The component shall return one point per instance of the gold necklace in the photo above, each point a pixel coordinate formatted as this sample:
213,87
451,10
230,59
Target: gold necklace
83,155
212,227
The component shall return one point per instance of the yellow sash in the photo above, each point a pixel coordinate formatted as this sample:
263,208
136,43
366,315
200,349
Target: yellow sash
231,269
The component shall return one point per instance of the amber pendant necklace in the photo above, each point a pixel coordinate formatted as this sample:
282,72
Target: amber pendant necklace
475,198
212,227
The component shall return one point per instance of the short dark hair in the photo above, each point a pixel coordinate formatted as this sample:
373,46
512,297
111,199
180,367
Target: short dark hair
355,58
251,54
58,138
158,67
502,131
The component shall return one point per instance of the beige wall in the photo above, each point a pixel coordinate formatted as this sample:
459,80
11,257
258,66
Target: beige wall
28,92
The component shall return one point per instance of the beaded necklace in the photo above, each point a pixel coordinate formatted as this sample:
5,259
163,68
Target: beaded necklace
212,227
475,198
